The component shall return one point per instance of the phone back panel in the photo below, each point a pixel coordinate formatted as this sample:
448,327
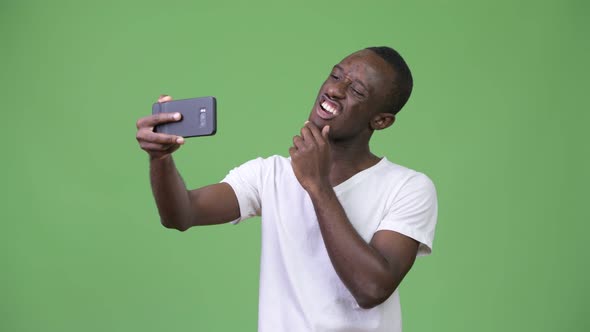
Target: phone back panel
199,117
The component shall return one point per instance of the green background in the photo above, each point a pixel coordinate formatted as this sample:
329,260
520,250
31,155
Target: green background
498,120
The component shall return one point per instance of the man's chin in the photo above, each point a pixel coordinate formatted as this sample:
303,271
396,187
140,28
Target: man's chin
317,121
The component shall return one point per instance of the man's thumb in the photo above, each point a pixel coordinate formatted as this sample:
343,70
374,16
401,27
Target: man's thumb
325,131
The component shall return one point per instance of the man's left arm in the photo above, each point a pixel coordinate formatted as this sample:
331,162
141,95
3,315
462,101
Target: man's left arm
371,271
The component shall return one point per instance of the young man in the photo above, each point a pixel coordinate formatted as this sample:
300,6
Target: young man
341,227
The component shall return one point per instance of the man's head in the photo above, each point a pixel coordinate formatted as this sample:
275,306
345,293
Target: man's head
363,93
402,82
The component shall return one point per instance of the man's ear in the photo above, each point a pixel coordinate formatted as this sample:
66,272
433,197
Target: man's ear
382,121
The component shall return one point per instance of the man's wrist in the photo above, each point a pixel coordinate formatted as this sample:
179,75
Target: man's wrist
320,190
163,158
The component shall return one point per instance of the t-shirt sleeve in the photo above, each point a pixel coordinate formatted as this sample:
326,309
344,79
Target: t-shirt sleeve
245,180
413,212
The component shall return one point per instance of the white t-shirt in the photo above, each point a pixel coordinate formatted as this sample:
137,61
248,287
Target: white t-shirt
299,288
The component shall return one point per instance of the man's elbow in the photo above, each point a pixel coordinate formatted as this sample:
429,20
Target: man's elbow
172,225
370,303
373,296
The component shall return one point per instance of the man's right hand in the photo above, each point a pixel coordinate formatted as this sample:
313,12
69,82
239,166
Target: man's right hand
158,145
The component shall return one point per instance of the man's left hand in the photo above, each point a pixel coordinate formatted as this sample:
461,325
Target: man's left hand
310,157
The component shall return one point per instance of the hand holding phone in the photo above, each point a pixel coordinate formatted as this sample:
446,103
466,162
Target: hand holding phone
158,145
199,117
163,132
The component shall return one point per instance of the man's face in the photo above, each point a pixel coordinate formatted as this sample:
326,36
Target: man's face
355,91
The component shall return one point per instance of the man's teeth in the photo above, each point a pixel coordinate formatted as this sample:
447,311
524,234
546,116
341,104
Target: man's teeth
328,107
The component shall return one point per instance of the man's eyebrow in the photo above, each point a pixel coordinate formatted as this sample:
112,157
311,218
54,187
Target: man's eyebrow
355,80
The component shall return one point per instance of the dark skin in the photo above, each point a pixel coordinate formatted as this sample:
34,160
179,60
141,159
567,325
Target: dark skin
332,146
180,208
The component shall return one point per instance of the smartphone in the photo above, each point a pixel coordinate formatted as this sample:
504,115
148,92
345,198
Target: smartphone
199,117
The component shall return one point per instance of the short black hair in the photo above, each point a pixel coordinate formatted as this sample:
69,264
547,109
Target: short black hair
402,82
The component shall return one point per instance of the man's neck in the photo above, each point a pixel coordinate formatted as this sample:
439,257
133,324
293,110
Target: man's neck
348,160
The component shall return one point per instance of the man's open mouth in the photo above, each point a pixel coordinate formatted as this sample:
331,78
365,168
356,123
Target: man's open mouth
328,109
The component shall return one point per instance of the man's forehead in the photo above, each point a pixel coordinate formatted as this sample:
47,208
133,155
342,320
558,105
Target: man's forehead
357,58
367,63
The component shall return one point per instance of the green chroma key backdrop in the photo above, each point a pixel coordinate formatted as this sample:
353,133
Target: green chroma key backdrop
498,119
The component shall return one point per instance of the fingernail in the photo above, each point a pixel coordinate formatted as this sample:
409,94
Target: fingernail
180,140
176,116
306,122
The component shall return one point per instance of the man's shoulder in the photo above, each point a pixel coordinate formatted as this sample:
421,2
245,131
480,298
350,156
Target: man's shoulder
264,165
397,173
270,161
278,159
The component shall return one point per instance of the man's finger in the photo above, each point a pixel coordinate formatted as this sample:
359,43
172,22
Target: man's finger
150,136
318,137
307,135
164,98
156,119
155,147
298,142
325,132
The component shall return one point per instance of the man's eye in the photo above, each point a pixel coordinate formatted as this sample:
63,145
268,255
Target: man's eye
357,92
334,76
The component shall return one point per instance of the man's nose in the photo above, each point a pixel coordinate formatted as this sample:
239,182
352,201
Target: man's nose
337,90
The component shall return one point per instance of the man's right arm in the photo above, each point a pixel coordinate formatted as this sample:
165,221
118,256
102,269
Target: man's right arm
180,208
